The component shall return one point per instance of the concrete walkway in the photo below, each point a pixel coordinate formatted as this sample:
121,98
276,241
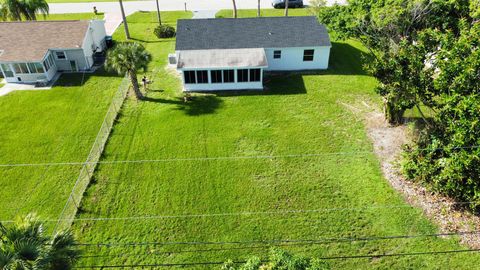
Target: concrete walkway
10,87
204,14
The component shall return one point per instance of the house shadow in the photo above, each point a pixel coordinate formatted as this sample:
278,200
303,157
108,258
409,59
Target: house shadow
80,78
277,83
196,105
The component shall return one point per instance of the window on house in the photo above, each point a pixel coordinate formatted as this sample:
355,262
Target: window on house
46,65
242,75
35,67
20,68
216,76
202,76
277,54
189,77
51,60
60,55
228,76
7,71
255,75
308,55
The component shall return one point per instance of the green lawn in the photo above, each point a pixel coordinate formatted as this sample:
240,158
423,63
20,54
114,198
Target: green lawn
57,125
297,114
71,16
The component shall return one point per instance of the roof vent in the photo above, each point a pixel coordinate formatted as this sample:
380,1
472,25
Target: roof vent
270,33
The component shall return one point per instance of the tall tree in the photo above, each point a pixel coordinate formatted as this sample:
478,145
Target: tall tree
17,10
384,27
158,13
235,15
124,19
24,246
129,58
286,8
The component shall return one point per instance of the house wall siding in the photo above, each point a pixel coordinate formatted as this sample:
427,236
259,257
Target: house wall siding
94,40
292,59
72,55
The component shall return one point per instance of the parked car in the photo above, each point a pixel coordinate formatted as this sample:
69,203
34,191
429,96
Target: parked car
291,3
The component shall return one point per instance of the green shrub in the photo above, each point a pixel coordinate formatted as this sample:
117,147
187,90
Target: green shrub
164,31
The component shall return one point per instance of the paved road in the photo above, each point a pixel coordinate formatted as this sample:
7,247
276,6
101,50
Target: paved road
133,6
204,8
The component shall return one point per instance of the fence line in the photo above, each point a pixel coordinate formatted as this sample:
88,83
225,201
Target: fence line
70,209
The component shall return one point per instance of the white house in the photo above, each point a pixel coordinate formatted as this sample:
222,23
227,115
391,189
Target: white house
232,54
34,51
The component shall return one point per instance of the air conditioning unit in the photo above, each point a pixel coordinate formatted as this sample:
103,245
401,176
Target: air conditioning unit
172,59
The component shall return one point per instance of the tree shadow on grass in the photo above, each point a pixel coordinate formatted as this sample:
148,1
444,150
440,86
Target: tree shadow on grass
196,105
346,59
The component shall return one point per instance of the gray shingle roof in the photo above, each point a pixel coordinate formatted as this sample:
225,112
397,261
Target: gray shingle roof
263,32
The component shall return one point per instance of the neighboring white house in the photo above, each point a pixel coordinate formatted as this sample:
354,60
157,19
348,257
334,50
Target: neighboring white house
232,54
34,51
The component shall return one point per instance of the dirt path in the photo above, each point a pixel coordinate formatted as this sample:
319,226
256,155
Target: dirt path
387,142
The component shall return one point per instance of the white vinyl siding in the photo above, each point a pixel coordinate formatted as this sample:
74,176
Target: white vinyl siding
293,59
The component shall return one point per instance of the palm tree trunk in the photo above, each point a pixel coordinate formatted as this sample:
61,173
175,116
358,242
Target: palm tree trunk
286,8
258,9
234,9
136,87
127,33
158,14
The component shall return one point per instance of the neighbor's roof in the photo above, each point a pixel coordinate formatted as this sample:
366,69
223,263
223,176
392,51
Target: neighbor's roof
29,41
263,32
222,58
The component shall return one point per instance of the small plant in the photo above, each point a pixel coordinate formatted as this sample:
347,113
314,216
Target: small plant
164,31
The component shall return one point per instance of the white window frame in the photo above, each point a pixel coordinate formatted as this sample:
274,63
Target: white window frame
64,53
279,54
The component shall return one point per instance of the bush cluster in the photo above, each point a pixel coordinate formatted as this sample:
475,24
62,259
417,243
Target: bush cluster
164,31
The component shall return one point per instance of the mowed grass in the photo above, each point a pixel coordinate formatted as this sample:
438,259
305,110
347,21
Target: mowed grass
57,125
218,176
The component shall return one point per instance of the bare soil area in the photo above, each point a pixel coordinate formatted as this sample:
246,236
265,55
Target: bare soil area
387,142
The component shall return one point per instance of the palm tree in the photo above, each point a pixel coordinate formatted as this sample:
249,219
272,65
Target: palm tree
128,58
17,10
235,15
286,8
124,19
158,14
34,7
258,8
25,246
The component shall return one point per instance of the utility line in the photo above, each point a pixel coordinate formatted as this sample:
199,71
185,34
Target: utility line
284,244
226,214
218,158
306,241
346,257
